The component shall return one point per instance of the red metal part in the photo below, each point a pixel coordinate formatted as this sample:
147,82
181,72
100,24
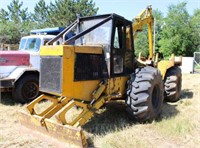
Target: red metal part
14,58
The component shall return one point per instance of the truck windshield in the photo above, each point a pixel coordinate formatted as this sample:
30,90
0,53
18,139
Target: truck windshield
30,44
33,44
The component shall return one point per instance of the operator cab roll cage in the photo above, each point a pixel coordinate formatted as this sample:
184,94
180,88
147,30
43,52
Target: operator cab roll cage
120,55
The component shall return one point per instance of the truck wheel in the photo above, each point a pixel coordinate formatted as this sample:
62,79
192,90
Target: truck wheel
26,89
145,94
172,84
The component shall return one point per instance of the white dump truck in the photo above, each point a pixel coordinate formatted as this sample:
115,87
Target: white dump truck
20,70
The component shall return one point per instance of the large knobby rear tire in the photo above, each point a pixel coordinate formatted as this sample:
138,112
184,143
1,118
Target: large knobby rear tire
173,82
145,94
26,89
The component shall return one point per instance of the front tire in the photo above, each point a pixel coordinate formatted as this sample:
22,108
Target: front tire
145,94
26,89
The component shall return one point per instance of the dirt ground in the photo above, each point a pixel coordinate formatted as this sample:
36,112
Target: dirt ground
178,125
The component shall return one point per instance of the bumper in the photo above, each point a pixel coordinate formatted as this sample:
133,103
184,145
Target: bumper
6,84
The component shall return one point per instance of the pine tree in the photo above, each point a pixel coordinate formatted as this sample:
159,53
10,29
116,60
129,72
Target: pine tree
15,23
41,15
64,12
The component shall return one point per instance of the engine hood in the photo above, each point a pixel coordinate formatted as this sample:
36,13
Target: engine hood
14,58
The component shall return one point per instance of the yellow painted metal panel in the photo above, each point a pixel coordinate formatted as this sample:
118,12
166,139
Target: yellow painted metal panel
117,85
53,132
89,49
52,50
68,71
163,66
150,38
84,89
81,89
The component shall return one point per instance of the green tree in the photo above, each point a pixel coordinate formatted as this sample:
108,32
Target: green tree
9,33
16,13
15,23
141,43
195,25
64,12
141,40
85,7
176,32
159,21
41,15
20,17
3,16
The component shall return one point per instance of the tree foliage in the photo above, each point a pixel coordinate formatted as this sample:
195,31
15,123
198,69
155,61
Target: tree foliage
195,33
3,16
16,13
41,15
64,12
9,33
17,21
14,23
158,20
177,32
61,12
141,43
141,40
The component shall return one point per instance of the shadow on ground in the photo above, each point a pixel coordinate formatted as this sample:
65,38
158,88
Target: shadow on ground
168,111
112,116
186,94
6,99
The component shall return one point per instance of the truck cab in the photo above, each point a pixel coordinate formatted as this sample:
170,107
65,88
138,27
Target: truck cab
19,70
32,43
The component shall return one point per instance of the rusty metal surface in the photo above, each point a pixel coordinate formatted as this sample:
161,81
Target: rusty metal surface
70,136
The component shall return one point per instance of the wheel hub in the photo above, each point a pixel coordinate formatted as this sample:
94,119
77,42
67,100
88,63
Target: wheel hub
30,90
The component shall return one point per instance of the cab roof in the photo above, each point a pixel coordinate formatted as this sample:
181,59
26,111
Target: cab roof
113,15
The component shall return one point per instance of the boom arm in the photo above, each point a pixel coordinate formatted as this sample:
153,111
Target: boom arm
145,17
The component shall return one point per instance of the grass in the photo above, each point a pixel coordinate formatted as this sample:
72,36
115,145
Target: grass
122,139
178,125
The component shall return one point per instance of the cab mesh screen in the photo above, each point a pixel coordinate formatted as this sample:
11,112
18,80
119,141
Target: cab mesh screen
90,67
